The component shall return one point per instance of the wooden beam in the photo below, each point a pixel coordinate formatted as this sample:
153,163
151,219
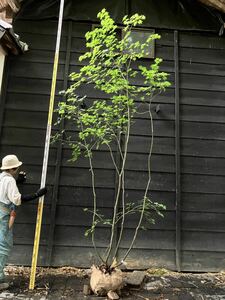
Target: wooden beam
59,156
8,8
177,150
3,94
13,4
218,4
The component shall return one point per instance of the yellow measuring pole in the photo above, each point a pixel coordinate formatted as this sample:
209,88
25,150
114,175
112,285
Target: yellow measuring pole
46,151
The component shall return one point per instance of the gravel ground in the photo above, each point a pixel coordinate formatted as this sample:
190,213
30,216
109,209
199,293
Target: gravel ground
159,284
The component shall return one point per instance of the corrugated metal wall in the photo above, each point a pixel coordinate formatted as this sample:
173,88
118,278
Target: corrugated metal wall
188,149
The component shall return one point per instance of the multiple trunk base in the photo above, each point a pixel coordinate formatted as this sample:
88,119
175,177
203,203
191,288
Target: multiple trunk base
106,283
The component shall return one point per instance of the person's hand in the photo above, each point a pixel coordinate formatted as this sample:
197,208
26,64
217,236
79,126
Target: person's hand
41,192
21,178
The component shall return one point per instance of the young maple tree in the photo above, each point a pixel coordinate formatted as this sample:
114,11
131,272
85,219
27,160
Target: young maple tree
110,68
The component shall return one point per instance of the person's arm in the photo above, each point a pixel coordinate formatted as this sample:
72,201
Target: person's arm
15,197
29,197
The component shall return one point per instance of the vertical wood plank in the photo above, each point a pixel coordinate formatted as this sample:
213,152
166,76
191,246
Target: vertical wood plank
177,146
58,158
128,7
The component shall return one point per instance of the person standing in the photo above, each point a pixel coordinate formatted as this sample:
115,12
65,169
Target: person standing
10,198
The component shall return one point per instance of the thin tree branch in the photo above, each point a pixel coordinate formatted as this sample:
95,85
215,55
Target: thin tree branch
146,190
94,196
112,157
119,184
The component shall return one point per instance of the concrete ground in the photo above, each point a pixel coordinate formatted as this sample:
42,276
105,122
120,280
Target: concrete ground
68,283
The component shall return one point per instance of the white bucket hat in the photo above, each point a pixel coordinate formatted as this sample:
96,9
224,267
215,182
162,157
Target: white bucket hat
10,161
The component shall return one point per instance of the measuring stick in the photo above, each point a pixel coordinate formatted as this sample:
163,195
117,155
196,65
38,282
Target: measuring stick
46,151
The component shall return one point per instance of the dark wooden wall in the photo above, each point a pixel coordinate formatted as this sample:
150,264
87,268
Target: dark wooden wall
188,165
